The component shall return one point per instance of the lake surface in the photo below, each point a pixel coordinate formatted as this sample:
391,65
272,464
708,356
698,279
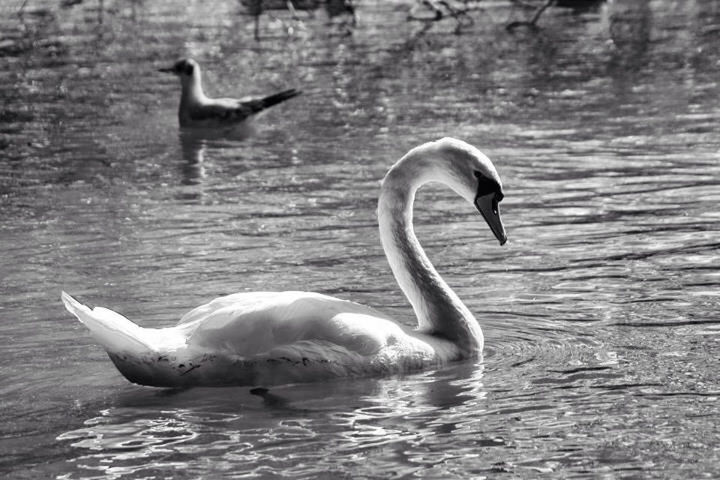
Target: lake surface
601,314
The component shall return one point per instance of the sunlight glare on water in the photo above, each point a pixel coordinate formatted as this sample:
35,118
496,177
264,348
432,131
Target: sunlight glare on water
600,314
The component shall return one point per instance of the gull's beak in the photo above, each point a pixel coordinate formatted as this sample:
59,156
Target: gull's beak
488,206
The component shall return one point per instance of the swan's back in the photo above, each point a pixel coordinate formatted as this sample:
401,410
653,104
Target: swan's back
258,323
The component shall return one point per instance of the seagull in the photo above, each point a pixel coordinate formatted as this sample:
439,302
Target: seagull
198,111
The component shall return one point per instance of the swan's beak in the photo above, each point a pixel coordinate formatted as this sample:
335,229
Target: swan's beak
488,206
166,70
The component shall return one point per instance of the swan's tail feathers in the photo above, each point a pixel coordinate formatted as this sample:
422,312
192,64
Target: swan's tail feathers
115,333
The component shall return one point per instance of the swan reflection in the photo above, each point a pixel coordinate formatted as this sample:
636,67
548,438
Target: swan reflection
235,430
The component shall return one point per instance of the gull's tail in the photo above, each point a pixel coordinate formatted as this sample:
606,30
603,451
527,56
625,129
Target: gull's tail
270,100
115,333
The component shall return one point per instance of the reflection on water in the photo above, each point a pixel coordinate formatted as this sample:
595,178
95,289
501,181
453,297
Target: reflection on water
373,416
193,154
629,26
599,314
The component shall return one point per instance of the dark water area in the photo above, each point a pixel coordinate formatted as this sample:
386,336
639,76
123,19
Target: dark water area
600,314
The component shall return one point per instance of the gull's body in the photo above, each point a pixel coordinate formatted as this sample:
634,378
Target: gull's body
198,111
265,338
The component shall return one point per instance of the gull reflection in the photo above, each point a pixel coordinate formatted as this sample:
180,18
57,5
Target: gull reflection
193,152
629,24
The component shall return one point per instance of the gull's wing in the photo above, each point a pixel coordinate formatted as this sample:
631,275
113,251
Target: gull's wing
257,105
234,111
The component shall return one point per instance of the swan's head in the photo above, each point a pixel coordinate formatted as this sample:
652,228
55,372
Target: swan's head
463,168
186,69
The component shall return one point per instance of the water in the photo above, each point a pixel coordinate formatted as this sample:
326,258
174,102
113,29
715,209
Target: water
600,314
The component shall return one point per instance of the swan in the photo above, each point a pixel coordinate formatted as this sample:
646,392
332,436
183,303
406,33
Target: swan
269,338
198,111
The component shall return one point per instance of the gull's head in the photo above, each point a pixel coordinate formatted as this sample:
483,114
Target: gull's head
466,170
187,69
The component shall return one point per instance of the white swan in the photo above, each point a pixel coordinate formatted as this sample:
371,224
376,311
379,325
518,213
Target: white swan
265,338
198,111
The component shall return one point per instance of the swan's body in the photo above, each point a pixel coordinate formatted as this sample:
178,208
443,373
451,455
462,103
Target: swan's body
265,338
198,111
262,338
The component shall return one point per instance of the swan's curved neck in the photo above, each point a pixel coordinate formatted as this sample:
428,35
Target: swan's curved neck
438,309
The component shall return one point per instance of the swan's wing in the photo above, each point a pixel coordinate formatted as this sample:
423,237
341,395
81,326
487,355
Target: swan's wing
252,301
247,300
353,344
250,324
